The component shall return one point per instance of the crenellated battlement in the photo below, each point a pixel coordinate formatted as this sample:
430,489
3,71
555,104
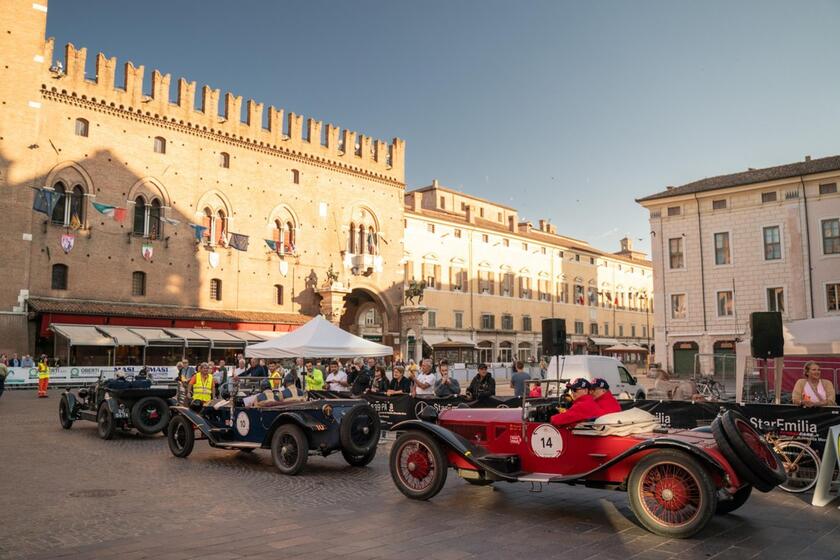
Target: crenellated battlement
278,130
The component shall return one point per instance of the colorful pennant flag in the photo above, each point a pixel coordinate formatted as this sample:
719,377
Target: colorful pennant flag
75,223
199,231
118,214
271,244
45,201
238,241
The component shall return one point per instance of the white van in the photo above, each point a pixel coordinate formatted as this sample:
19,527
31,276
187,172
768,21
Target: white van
590,367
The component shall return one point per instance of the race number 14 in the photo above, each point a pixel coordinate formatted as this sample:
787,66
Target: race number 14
546,441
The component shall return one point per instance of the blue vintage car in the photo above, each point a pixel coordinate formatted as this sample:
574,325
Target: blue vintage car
291,430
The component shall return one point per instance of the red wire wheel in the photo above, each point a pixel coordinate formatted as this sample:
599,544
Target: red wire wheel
759,458
671,494
418,465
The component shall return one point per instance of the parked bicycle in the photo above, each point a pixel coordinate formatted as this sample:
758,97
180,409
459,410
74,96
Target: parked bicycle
709,388
801,462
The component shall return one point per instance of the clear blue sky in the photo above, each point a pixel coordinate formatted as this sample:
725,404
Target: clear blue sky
564,110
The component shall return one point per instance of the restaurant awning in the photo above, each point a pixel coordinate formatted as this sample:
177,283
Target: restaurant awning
190,337
268,335
451,341
603,341
222,339
122,335
156,337
82,335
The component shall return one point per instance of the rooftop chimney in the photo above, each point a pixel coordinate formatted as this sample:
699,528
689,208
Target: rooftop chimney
435,183
807,158
669,188
542,225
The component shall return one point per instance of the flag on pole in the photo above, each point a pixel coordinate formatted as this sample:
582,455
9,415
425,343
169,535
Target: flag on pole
199,231
238,241
170,221
45,201
119,214
75,222
271,244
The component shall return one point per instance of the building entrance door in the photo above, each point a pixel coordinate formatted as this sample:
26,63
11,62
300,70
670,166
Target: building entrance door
684,356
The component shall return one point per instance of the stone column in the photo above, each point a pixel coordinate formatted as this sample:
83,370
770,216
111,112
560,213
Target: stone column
411,319
332,301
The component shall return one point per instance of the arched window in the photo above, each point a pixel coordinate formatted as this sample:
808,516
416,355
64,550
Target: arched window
289,238
216,289
207,222
224,160
139,227
160,145
138,283
147,221
154,226
82,127
221,227
77,206
59,277
59,210
351,246
295,176
505,351
278,294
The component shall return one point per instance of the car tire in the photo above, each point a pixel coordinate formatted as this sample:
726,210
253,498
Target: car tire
359,430
358,460
478,481
743,457
738,499
756,454
105,424
640,396
64,411
289,449
671,494
740,468
150,415
180,435
418,465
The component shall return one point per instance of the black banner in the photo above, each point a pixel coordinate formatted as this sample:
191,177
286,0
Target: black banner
785,419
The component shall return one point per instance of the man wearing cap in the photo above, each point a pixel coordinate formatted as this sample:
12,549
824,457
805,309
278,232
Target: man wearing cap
482,385
603,397
583,405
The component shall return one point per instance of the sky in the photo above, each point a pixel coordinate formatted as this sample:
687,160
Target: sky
567,111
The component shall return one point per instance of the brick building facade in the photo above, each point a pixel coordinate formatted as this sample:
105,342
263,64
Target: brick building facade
307,187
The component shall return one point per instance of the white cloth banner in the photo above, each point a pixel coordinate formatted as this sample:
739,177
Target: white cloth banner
87,374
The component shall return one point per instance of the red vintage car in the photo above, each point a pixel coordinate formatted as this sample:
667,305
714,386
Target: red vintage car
676,479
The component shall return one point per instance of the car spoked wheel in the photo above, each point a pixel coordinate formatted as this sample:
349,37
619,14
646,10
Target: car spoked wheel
418,466
671,494
359,430
755,461
289,449
181,437
105,424
64,414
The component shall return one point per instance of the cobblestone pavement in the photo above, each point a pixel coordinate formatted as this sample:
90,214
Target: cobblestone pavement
68,494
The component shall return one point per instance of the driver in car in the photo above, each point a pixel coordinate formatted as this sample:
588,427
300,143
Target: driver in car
603,397
583,406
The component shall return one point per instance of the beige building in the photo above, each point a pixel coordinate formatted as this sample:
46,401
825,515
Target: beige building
323,197
726,246
492,278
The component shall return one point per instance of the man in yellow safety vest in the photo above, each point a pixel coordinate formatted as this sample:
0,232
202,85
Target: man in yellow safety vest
43,377
202,384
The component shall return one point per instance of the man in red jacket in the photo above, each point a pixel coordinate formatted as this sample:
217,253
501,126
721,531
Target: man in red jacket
583,407
603,397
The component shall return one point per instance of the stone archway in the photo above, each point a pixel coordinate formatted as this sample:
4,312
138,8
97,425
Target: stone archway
365,315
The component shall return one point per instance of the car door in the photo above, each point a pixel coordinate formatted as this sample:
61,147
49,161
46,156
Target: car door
626,381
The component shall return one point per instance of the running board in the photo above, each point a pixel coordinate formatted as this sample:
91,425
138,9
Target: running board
239,445
543,478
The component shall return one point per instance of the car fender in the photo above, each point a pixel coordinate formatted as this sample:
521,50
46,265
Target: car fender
451,441
668,443
196,419
308,424
71,402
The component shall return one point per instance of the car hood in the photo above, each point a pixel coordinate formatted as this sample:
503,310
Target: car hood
506,415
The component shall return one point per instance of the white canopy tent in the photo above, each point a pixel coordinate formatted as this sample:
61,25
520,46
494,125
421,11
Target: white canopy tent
318,339
808,337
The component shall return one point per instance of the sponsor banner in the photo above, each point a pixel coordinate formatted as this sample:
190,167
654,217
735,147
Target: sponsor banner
786,419
84,374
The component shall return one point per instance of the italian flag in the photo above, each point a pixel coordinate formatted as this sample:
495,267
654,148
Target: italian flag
118,214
